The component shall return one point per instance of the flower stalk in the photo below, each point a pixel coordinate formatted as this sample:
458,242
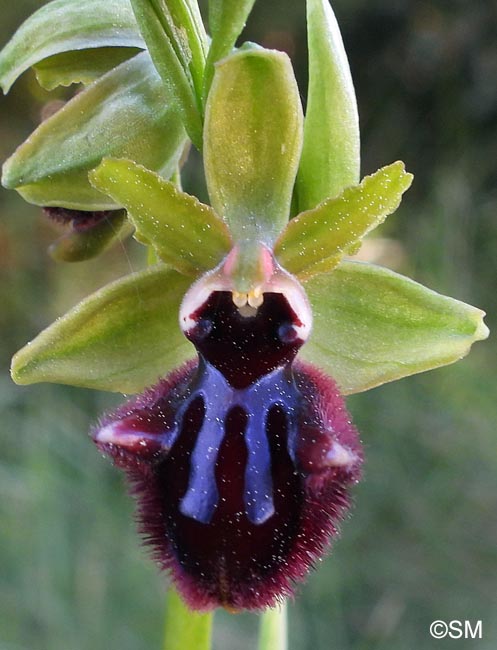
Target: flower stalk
184,628
273,631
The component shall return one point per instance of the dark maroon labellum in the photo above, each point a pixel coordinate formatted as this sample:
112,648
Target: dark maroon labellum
240,462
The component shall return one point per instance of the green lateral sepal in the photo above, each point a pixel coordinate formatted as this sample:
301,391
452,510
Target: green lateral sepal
122,338
372,326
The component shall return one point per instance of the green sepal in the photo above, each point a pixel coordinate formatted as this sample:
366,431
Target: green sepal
64,26
78,245
125,113
186,234
252,142
122,338
185,629
331,153
372,326
315,241
168,47
227,19
80,66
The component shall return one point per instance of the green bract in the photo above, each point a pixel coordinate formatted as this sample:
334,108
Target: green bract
176,41
226,21
125,113
64,26
252,142
330,157
83,66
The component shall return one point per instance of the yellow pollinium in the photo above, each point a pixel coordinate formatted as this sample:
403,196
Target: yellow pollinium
254,298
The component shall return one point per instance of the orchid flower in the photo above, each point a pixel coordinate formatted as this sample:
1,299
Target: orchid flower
241,339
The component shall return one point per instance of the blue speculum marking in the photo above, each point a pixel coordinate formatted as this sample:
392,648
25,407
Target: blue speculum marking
246,363
274,389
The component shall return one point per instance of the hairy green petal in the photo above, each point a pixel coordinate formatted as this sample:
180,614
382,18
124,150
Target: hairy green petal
186,234
64,26
81,66
372,326
125,113
252,142
331,154
227,19
316,240
121,338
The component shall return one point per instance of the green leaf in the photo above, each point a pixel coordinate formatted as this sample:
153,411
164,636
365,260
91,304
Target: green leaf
185,233
273,629
252,142
125,113
64,26
184,628
316,240
227,19
122,338
372,326
330,157
81,66
83,244
169,48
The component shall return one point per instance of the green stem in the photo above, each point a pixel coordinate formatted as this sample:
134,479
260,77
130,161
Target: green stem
273,629
185,629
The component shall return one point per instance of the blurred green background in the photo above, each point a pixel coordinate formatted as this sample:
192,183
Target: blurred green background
422,542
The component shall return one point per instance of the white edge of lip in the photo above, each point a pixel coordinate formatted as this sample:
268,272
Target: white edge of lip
279,282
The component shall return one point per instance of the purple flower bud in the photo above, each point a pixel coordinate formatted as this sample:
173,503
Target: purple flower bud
88,233
241,461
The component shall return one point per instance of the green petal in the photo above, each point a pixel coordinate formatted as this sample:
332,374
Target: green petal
66,25
125,113
78,245
227,19
372,326
331,156
185,233
252,142
82,66
122,338
316,240
170,53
